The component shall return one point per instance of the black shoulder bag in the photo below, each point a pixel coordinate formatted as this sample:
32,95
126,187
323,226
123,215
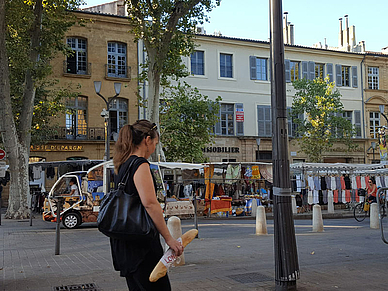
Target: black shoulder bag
123,216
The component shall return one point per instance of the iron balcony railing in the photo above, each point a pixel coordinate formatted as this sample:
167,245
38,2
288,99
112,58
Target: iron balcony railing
73,133
117,71
77,69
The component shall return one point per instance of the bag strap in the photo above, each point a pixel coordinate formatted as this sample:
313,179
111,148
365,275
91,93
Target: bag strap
126,174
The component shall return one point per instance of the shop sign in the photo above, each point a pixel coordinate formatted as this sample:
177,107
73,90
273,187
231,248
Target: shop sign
57,148
221,150
239,115
2,154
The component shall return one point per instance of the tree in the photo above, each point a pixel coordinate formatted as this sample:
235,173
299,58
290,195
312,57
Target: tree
167,29
31,33
323,122
187,119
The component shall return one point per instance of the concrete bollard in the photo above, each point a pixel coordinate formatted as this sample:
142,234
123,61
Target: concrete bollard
374,216
254,207
317,219
293,203
330,202
174,226
261,221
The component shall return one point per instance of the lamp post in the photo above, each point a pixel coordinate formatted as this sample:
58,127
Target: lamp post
373,145
105,114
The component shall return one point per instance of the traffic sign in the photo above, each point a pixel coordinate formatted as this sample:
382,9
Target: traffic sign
2,154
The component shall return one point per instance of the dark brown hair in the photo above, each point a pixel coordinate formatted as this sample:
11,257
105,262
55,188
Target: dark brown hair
131,136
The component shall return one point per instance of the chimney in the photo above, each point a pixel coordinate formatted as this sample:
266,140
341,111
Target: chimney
285,29
291,34
341,34
325,43
347,42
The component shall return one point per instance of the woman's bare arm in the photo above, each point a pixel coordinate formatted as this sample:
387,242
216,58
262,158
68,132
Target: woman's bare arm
145,186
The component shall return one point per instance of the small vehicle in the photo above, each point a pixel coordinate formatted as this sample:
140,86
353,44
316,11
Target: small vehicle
84,207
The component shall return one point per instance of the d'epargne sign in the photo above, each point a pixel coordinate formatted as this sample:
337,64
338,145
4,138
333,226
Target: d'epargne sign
57,148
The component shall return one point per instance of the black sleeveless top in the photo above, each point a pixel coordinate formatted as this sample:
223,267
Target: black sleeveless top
128,255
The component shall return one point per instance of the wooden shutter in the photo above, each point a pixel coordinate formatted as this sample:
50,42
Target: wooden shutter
287,70
357,122
354,77
260,120
305,70
329,69
311,69
338,75
252,65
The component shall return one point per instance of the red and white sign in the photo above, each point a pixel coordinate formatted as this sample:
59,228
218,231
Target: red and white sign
239,116
2,154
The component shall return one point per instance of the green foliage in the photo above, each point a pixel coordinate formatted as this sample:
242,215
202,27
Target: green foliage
167,29
57,18
323,122
187,119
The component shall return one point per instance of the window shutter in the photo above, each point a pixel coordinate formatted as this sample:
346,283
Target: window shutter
240,124
311,68
329,69
338,75
252,65
268,120
287,70
217,128
357,122
260,120
305,70
354,77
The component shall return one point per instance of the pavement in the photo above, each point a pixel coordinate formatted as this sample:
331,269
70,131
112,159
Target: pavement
226,256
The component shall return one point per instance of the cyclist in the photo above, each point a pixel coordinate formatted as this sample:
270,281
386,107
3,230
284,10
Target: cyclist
371,190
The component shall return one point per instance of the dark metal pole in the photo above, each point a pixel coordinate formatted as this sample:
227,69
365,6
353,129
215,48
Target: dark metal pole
57,231
31,210
286,256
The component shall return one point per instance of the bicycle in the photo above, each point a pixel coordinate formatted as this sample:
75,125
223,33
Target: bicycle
361,210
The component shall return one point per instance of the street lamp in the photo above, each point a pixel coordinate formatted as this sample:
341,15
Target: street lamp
373,145
105,114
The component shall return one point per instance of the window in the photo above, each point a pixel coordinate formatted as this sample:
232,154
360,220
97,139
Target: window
264,119
345,76
77,62
320,71
76,118
227,119
118,114
374,124
373,78
348,115
261,69
226,65
294,69
292,125
117,60
198,63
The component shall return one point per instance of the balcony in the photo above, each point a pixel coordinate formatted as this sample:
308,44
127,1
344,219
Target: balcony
90,133
116,72
71,69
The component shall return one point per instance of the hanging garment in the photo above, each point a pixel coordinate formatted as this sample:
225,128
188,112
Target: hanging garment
354,182
378,182
382,180
357,198
348,195
255,172
338,183
333,183
358,181
363,182
335,196
232,174
317,183
328,182
343,186
310,180
330,194
248,172
37,172
298,183
50,173
323,183
324,196
386,181
353,195
343,198
310,197
316,197
340,196
347,182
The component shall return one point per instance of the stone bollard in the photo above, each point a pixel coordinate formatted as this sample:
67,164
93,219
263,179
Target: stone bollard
261,221
254,207
317,219
330,202
174,226
293,203
374,216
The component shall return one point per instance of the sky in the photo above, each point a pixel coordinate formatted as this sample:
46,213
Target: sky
314,20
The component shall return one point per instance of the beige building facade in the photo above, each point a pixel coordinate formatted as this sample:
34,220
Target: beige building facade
104,51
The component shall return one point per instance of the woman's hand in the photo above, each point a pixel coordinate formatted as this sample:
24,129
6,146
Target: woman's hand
176,246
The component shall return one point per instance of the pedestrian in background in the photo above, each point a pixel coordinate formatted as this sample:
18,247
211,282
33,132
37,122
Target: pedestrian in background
135,260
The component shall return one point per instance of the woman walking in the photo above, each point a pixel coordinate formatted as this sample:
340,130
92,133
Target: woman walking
135,260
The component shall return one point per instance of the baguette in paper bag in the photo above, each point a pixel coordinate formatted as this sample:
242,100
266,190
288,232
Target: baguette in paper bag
168,258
